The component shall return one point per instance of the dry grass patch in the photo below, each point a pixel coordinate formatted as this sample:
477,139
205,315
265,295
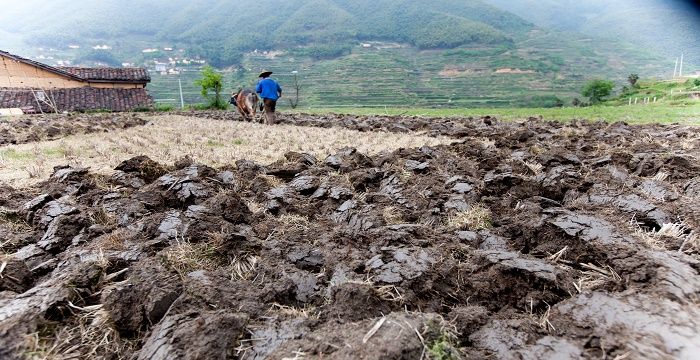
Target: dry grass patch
668,237
116,240
212,142
534,167
89,336
392,215
186,257
12,221
243,267
87,333
384,292
102,217
389,293
477,217
307,312
254,206
272,180
295,220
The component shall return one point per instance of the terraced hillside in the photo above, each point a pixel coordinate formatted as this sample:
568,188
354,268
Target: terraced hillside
542,69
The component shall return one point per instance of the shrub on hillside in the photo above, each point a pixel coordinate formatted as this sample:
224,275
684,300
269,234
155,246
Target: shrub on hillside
597,90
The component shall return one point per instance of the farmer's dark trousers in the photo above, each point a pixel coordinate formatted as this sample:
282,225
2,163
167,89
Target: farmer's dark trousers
270,106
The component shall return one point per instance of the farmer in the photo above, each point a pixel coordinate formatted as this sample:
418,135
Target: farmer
269,91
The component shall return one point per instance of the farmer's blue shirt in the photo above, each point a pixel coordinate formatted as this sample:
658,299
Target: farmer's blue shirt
268,89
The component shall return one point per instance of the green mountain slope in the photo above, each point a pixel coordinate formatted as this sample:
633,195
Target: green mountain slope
222,30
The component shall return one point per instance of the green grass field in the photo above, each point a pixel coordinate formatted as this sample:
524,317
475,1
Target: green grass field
640,114
674,92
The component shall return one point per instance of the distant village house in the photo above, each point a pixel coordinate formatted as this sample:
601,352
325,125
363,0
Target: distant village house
36,87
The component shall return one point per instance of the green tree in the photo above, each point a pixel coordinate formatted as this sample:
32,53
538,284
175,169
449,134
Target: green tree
212,81
633,78
696,82
597,90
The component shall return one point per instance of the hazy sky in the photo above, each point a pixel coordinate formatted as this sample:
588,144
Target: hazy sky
27,7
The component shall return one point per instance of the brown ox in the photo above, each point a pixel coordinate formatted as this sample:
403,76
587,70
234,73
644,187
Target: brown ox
246,102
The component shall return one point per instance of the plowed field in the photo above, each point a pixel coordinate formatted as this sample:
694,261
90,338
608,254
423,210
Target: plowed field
519,240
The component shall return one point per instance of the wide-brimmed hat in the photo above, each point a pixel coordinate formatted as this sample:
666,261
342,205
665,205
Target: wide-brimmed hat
265,74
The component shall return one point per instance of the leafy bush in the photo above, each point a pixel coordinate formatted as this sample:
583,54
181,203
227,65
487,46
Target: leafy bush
696,82
597,90
212,81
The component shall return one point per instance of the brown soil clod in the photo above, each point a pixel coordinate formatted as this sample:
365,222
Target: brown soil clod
55,126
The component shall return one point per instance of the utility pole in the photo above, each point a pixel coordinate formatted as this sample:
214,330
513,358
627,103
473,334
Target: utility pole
675,69
182,100
680,70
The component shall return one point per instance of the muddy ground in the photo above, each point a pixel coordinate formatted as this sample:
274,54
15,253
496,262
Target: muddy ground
27,129
523,240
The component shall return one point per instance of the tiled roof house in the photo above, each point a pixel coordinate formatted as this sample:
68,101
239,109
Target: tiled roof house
34,87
